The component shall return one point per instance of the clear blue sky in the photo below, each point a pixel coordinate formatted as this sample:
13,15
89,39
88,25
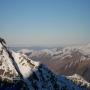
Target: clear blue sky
45,22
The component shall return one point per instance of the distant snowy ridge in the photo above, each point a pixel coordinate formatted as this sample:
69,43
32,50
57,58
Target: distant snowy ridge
85,49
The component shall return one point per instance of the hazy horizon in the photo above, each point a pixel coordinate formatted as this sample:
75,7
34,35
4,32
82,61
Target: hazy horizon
45,23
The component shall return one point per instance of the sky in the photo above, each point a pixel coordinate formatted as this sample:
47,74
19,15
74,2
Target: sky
45,22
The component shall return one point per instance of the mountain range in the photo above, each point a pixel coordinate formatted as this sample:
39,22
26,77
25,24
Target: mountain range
64,61
19,72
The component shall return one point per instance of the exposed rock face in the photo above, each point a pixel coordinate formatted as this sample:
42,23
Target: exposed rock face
18,72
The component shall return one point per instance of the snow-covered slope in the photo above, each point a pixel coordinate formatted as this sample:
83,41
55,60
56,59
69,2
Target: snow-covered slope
77,79
18,72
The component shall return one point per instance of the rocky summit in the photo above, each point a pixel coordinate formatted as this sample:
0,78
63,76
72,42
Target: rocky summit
18,72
